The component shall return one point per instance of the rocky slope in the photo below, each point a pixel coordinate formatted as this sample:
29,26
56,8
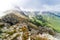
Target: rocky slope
16,26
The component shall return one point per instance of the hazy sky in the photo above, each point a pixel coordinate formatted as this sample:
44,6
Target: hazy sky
50,5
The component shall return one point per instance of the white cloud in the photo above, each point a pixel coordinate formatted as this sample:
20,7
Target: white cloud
50,8
9,4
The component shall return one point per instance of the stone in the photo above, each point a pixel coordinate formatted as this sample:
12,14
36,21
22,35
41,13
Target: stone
10,18
46,30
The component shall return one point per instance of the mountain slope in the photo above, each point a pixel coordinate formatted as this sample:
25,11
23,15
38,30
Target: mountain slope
53,19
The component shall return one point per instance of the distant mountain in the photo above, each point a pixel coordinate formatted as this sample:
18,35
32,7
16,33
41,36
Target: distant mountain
34,13
31,13
52,13
53,18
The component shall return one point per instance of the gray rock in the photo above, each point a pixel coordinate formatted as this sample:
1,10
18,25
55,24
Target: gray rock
10,18
46,30
2,24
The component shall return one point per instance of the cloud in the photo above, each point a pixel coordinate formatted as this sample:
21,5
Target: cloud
10,4
50,2
47,5
30,4
50,8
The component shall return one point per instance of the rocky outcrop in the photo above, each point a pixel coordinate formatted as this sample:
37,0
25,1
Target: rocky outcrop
13,17
46,30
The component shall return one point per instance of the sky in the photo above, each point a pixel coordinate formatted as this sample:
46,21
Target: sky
43,5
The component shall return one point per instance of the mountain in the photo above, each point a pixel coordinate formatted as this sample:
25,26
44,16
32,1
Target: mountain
53,18
52,13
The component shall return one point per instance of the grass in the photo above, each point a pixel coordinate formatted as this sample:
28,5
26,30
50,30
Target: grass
53,21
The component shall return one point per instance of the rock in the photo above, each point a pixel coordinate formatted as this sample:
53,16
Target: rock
38,37
2,24
10,18
46,30
51,31
13,17
57,35
33,31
